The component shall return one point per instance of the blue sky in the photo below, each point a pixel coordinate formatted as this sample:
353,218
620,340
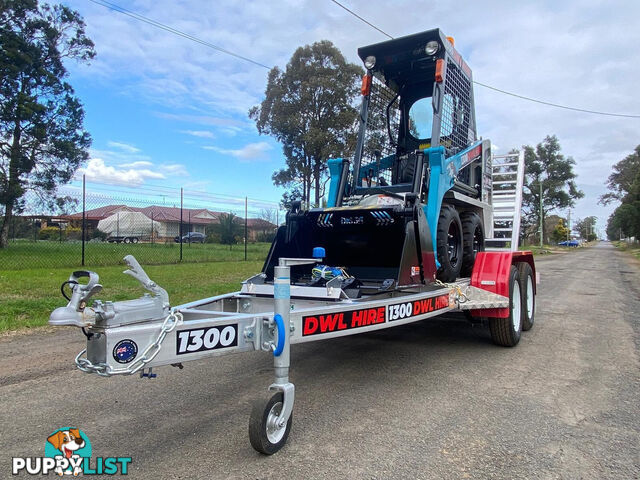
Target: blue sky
164,110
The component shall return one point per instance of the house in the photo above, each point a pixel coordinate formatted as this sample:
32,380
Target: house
164,222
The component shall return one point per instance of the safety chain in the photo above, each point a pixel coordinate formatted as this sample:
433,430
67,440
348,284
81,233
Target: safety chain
460,296
149,353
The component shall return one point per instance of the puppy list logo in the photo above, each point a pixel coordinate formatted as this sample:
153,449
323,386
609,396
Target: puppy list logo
68,452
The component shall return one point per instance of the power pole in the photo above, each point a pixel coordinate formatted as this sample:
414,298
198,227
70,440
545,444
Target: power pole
541,226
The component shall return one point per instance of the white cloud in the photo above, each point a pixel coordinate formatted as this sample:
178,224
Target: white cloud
97,171
199,133
125,147
175,170
138,164
251,151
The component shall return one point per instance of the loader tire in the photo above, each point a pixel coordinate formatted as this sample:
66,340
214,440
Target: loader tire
449,244
506,331
472,241
527,287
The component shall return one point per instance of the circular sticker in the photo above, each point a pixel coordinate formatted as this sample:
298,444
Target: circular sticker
125,351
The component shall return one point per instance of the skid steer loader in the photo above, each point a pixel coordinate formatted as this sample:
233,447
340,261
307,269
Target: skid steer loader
414,205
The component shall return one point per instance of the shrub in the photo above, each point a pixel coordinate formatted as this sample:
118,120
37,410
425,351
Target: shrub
99,235
265,237
51,233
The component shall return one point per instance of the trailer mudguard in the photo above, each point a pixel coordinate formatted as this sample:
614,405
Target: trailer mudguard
491,272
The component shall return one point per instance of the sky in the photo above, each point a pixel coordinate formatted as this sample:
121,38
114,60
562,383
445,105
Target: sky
167,111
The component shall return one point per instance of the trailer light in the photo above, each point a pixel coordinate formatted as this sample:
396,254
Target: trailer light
370,62
431,48
366,85
451,41
439,70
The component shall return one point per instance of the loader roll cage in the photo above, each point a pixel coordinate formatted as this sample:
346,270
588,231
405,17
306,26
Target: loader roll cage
417,94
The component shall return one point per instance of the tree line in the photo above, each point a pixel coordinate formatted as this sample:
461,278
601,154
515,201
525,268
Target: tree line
624,188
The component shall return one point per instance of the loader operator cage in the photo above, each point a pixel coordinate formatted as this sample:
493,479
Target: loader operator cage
421,96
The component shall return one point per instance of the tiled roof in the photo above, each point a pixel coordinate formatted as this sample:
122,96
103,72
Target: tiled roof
167,214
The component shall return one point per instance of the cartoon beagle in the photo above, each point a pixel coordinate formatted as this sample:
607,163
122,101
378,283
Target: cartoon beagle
67,441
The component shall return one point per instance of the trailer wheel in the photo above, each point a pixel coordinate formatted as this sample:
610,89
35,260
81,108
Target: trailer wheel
127,240
506,331
528,295
449,244
265,435
472,241
134,239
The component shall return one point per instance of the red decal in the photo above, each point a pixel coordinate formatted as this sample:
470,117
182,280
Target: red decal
310,326
442,302
342,321
328,322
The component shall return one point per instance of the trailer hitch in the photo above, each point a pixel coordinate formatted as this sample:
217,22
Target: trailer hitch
74,313
106,314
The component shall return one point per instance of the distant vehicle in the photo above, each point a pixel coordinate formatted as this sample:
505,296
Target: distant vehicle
569,243
191,237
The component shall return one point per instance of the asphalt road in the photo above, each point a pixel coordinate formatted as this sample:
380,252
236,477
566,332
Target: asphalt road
430,400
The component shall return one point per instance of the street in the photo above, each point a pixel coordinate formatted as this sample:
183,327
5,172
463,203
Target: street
435,399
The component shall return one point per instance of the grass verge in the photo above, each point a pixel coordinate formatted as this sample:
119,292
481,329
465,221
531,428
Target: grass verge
28,296
632,248
23,254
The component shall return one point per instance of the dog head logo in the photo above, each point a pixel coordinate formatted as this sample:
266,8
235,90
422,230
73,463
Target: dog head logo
72,445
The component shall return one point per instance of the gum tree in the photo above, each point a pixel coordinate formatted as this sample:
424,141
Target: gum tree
546,166
42,138
309,108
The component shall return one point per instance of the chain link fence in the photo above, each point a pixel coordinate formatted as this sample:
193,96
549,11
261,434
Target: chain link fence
97,225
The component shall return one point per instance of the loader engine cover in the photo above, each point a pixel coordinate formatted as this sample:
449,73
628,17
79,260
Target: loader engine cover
372,243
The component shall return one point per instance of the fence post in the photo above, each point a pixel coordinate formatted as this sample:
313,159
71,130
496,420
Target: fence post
152,242
84,211
181,207
246,237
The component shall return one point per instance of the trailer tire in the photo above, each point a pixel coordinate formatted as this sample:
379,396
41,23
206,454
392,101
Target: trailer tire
506,331
527,287
472,241
449,244
262,435
127,240
134,239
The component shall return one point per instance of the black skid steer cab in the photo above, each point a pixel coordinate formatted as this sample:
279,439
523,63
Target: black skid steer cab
422,221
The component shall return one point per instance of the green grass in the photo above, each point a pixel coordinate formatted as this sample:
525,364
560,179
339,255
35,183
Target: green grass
632,248
28,296
549,249
24,254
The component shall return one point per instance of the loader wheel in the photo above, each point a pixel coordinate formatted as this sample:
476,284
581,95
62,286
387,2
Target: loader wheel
472,241
506,331
528,295
449,244
265,433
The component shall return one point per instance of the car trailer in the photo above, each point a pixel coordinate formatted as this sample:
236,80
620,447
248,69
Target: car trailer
413,228
127,337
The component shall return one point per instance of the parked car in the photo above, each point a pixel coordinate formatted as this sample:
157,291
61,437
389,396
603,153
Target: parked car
191,237
569,243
